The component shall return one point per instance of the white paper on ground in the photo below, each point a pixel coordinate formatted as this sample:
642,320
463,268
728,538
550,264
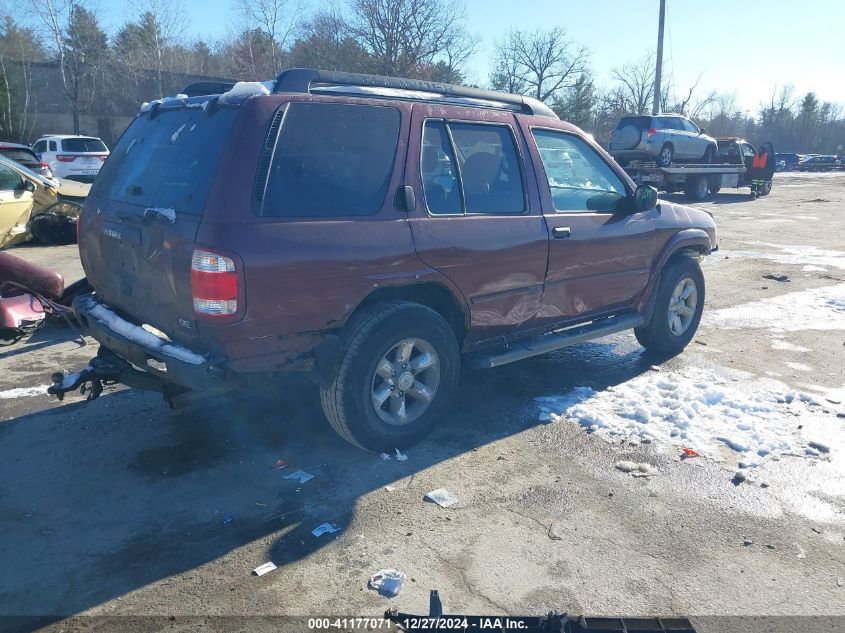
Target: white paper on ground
331,528
442,497
263,569
300,475
387,582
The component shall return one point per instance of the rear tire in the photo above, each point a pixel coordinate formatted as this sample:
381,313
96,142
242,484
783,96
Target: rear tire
715,183
664,158
376,398
697,188
674,322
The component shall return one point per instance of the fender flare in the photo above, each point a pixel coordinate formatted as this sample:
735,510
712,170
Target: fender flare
688,240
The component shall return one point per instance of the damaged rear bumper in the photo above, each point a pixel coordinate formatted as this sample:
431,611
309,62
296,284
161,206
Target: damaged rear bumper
139,359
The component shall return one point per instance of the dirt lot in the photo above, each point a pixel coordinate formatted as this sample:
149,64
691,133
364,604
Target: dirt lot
119,507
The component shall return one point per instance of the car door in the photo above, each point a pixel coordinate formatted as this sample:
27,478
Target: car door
684,147
696,142
15,207
600,254
477,219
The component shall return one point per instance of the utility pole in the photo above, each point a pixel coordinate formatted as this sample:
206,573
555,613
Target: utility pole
658,70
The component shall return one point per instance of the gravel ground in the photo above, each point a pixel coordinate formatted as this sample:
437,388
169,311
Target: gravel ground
119,507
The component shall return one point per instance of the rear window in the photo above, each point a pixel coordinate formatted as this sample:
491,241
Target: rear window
22,156
332,160
167,161
83,145
641,122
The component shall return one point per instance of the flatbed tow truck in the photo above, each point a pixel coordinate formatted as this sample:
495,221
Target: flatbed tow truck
698,181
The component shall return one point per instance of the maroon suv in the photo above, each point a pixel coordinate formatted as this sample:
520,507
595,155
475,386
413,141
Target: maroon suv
375,233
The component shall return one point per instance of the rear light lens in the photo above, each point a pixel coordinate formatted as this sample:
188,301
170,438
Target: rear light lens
65,158
214,284
651,132
103,157
43,164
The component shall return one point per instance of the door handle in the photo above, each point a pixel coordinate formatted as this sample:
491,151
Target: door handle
561,232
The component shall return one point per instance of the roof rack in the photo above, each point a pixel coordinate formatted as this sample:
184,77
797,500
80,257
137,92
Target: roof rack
202,88
306,80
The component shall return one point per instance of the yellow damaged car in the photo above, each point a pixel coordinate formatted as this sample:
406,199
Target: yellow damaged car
32,205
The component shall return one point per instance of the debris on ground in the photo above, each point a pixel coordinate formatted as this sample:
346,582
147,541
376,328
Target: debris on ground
330,528
390,488
747,541
442,497
385,457
401,457
654,368
299,475
739,477
556,531
770,546
776,277
688,452
388,582
636,469
263,569
816,530
228,519
280,463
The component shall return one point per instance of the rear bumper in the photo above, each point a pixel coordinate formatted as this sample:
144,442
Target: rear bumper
162,361
646,151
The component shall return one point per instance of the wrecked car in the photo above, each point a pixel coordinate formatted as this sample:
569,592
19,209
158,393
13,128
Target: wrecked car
374,233
32,205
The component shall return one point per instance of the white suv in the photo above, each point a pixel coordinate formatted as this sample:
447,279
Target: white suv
72,157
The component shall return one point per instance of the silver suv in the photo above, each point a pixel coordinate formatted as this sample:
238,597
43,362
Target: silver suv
662,137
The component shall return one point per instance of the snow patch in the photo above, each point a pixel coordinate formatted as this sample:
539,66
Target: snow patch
143,337
23,392
699,408
167,213
780,344
243,90
799,367
815,309
176,134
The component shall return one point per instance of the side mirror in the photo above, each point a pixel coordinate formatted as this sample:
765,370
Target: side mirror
645,198
27,185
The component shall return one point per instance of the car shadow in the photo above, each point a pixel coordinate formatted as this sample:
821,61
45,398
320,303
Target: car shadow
104,498
41,339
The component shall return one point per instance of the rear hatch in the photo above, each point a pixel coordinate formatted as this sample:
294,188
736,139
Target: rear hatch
141,218
629,132
83,154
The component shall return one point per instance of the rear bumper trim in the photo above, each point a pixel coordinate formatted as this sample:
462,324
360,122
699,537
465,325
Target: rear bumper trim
165,361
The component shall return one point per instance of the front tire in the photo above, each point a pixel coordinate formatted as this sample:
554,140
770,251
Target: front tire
677,308
396,370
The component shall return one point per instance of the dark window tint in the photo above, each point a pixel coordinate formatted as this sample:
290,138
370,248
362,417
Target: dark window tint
83,145
438,167
9,180
39,147
167,161
52,146
23,156
641,122
489,168
332,160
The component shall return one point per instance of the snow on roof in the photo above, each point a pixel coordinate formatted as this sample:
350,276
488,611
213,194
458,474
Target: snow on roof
244,90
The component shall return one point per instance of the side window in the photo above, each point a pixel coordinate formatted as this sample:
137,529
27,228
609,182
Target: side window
39,147
9,180
689,126
332,160
438,167
579,179
747,150
489,169
53,146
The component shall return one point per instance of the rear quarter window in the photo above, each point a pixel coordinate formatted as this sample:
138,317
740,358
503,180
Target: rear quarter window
332,160
167,161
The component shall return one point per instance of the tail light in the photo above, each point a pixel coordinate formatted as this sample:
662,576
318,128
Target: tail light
103,157
214,284
651,132
44,165
65,158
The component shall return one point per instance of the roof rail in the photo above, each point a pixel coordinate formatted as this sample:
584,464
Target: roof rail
202,88
300,80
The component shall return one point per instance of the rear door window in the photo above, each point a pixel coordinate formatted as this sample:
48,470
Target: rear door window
80,145
439,171
167,161
489,169
332,160
52,146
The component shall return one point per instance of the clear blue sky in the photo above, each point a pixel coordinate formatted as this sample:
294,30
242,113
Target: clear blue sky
746,46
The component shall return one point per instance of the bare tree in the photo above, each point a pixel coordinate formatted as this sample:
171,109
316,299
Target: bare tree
636,84
277,19
407,37
19,47
540,63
